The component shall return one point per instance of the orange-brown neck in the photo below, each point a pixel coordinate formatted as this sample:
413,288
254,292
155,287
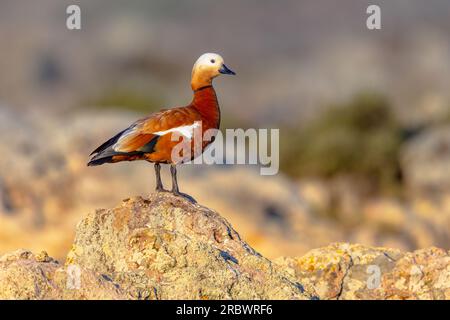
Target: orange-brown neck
205,102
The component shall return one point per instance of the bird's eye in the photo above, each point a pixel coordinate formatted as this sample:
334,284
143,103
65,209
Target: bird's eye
213,61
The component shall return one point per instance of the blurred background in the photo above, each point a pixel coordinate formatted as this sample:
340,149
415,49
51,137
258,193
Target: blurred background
364,116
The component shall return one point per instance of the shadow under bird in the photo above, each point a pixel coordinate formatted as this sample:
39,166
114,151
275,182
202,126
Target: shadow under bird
150,138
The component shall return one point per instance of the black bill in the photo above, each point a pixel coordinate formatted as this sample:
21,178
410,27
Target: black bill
225,70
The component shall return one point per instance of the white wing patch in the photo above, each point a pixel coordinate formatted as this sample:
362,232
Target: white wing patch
187,131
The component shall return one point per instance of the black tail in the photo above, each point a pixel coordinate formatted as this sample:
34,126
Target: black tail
106,152
108,143
103,154
97,162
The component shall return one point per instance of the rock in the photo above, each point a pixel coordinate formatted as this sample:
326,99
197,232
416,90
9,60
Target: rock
164,247
385,214
351,271
426,160
24,275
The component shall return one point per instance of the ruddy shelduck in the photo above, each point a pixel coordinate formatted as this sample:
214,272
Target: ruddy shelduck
150,138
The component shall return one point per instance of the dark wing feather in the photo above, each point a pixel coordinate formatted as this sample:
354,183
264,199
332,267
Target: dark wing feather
108,143
129,142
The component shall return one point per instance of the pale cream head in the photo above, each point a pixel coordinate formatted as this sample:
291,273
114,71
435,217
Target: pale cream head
206,68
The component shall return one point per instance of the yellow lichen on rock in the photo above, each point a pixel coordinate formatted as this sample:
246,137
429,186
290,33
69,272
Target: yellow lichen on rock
177,250
165,247
344,271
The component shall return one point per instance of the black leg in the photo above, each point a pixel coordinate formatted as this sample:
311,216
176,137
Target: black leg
175,190
159,185
173,172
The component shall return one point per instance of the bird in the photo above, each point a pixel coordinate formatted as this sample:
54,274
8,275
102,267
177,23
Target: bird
150,138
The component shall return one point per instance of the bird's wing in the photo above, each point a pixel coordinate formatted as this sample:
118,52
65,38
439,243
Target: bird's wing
143,134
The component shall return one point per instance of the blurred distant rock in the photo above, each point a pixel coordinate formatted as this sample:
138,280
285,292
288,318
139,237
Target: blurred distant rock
426,160
270,210
44,175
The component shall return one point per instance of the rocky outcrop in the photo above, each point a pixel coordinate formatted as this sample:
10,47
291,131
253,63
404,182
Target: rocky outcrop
165,247
345,271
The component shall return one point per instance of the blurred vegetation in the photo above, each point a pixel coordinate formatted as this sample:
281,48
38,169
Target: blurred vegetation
446,118
126,99
361,138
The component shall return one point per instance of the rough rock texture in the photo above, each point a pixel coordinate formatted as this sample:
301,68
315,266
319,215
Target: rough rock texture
24,275
165,247
345,271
